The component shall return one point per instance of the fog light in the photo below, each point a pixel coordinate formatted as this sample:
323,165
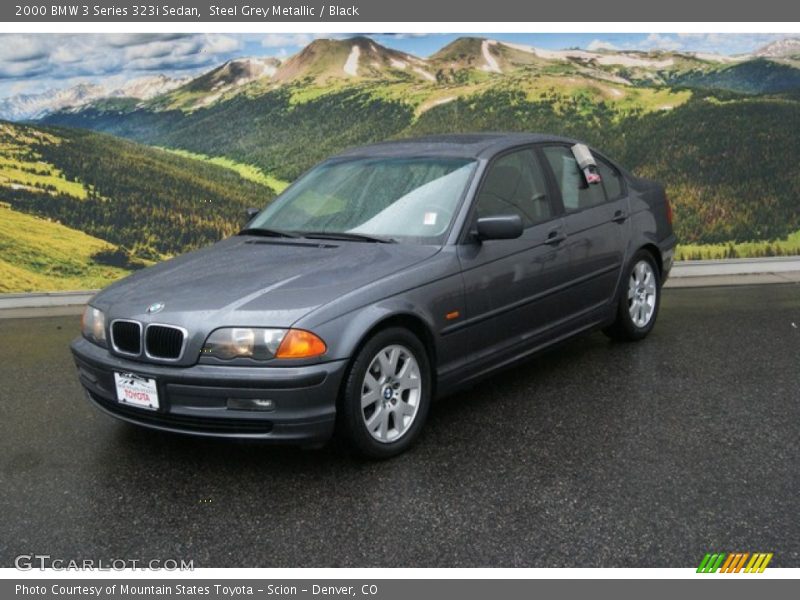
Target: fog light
250,404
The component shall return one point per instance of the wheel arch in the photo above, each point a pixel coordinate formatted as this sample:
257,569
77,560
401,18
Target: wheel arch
654,251
414,323
405,318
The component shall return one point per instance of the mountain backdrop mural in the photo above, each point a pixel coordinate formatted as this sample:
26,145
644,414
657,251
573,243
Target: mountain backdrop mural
99,179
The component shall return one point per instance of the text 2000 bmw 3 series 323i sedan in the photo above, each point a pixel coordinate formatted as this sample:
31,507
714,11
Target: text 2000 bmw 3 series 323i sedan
383,277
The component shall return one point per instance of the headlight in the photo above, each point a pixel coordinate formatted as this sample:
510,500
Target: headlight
262,344
93,325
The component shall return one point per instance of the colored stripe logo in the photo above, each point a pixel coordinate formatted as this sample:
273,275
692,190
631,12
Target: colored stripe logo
737,562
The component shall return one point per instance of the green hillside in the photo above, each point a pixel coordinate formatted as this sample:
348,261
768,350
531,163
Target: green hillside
721,155
270,131
716,131
249,172
723,162
80,209
40,255
148,201
752,77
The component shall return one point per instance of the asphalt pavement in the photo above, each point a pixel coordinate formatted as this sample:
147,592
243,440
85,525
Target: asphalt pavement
594,454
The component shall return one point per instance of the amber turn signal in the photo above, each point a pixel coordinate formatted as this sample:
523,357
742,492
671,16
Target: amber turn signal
300,344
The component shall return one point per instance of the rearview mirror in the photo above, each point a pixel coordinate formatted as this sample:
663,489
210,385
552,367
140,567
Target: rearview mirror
499,227
252,213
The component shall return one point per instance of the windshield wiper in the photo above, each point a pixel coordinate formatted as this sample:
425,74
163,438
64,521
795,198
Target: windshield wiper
266,232
344,235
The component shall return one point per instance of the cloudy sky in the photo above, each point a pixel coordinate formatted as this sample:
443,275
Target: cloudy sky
33,63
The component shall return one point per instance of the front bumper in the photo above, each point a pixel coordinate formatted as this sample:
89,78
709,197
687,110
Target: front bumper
195,400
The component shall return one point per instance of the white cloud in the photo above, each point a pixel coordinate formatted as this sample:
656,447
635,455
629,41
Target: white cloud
49,59
730,44
217,44
20,47
280,40
125,40
658,41
45,61
23,69
405,36
595,45
66,54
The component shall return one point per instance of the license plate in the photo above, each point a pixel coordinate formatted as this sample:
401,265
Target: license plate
136,390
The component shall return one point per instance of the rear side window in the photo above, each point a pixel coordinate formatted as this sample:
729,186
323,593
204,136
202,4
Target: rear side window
576,194
515,184
612,182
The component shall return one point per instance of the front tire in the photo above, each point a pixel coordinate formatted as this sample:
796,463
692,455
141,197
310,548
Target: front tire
386,395
639,300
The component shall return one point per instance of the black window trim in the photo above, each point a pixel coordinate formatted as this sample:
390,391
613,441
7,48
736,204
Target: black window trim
597,155
622,189
556,206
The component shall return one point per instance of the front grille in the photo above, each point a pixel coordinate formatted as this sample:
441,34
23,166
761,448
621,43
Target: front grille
163,341
185,422
126,336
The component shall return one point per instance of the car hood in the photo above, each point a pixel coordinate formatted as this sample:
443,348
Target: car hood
247,280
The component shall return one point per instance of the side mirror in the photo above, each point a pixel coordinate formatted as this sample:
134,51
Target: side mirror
500,227
252,213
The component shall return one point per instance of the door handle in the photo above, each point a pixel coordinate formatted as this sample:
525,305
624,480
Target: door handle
620,216
555,237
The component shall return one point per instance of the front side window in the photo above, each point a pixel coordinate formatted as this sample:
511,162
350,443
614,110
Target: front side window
515,184
403,199
576,194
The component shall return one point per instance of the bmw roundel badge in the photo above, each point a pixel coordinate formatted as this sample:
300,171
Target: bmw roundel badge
155,307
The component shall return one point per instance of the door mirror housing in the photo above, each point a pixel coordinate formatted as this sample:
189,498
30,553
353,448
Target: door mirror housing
251,213
499,227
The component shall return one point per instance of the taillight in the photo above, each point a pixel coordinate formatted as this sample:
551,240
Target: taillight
669,209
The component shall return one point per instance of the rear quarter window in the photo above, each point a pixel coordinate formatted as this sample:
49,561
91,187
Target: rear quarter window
576,194
612,180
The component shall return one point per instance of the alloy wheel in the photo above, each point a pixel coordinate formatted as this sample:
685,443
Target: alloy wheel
642,290
390,393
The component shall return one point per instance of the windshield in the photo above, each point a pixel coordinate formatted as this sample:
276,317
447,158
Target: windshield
406,199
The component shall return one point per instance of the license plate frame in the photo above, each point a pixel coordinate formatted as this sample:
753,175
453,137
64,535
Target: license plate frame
136,390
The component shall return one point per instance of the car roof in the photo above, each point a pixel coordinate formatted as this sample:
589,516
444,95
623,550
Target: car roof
466,145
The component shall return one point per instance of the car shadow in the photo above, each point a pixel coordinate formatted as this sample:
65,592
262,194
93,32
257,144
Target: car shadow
507,386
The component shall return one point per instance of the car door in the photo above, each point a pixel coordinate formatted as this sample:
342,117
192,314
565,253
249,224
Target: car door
595,225
511,286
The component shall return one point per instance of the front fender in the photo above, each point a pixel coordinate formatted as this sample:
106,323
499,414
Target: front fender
344,334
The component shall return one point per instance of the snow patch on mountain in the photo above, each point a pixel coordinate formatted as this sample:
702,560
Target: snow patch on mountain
491,62
351,64
780,49
603,58
23,107
520,47
33,106
627,60
719,58
145,88
424,74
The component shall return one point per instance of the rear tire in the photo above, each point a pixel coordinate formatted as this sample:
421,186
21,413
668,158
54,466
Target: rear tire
639,300
386,395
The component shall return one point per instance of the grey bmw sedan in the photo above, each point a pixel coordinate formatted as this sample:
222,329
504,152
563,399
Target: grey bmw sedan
382,278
